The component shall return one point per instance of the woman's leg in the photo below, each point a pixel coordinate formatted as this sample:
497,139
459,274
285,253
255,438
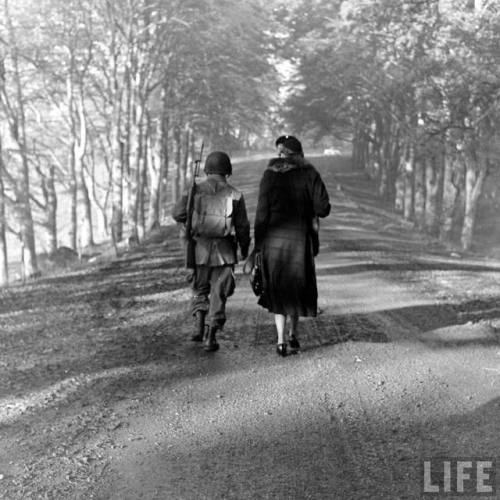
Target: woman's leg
280,321
294,321
292,334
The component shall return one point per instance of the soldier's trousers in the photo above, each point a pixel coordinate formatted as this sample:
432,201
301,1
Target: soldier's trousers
211,288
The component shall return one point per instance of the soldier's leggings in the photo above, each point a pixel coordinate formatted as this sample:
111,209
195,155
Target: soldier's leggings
211,288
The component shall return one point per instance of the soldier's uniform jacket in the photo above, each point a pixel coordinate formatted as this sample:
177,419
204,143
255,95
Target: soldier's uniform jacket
219,251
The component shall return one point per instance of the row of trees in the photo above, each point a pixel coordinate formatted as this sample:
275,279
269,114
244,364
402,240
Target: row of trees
103,104
417,84
102,101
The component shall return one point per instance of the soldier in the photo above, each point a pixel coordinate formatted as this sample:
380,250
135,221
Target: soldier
218,225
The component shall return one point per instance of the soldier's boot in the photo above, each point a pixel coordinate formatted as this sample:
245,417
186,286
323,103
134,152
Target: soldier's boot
211,344
199,325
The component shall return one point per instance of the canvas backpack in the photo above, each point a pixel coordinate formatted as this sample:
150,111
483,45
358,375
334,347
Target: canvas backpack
213,213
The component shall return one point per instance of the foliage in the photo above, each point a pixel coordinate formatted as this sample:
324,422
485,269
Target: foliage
401,76
105,84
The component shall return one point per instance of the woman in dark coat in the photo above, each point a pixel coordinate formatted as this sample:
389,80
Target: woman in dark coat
291,197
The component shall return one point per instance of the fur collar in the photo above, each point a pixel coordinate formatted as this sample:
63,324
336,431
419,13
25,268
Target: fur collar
288,163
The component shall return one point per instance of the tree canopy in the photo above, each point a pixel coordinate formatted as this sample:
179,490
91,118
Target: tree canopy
406,81
103,104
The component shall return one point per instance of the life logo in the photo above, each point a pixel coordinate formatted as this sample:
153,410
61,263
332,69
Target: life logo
457,476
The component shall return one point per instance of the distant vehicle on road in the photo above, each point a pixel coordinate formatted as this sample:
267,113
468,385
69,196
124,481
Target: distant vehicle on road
332,151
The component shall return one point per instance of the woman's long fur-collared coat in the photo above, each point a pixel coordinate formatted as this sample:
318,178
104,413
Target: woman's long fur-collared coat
291,194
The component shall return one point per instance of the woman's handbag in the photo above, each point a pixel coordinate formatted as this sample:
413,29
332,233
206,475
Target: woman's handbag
253,268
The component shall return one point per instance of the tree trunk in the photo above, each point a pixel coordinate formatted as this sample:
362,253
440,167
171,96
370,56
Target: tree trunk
29,259
433,182
143,185
117,187
383,180
15,115
100,200
131,156
474,180
419,203
84,208
177,145
399,185
184,160
142,169
116,141
409,182
24,216
372,165
452,186
72,159
359,149
389,162
73,201
50,189
164,154
395,162
191,155
140,165
86,237
4,262
155,178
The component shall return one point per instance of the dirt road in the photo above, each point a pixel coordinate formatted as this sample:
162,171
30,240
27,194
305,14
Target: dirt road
103,397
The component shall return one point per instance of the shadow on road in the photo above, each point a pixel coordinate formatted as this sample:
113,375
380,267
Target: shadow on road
411,265
466,323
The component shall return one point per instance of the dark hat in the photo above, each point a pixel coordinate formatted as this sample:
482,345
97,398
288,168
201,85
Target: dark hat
218,162
290,142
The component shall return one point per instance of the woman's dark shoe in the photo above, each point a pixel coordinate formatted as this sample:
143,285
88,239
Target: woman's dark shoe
294,343
281,350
